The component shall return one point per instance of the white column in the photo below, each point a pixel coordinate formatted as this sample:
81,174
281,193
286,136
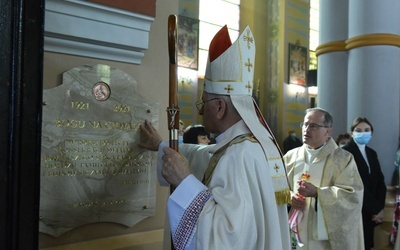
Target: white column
374,76
332,66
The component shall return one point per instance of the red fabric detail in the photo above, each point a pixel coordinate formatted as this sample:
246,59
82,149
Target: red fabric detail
396,220
219,44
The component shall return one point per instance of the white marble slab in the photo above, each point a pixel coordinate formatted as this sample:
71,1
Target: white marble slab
91,168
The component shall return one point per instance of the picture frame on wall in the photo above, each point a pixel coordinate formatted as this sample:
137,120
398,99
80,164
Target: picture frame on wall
297,65
188,42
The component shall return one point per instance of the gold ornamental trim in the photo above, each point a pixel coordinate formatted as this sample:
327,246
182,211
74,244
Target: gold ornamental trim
282,197
373,39
331,47
359,41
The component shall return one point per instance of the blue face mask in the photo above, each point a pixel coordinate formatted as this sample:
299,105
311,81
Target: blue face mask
362,137
180,139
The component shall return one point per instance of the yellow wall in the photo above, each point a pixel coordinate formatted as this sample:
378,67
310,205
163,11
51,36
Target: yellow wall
275,24
295,97
253,13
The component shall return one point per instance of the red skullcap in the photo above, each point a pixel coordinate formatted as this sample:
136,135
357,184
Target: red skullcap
219,44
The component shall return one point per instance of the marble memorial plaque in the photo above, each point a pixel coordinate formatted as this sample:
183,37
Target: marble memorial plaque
91,167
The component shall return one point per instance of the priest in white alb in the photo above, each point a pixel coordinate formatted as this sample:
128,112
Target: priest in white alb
327,189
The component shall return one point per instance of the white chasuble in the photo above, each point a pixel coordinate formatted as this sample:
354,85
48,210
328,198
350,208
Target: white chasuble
237,209
340,191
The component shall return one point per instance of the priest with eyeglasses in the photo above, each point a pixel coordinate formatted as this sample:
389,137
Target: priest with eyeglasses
327,190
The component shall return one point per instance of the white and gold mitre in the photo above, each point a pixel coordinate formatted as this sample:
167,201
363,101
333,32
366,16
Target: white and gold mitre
231,73
230,69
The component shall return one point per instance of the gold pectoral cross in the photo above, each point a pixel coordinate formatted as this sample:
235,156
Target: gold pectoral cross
305,176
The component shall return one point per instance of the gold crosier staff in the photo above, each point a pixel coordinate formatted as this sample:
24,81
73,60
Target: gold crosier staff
173,109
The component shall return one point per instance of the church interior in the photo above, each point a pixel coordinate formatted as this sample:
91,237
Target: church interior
342,56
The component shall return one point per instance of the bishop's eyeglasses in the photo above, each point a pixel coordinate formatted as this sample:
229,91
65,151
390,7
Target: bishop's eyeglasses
200,104
312,126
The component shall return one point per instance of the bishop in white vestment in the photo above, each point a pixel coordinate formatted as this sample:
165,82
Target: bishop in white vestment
234,194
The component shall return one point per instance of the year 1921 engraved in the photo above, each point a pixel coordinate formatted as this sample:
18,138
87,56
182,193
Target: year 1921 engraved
79,105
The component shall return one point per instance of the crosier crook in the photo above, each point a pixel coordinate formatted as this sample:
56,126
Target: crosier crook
173,109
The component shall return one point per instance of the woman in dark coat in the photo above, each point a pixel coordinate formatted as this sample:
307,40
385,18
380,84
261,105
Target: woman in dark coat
371,175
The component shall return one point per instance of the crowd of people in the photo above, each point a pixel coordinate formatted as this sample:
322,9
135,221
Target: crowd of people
241,192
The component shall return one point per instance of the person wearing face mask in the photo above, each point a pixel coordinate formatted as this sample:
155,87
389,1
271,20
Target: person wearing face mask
291,141
371,175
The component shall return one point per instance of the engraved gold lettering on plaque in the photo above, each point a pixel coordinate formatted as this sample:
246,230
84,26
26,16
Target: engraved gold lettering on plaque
65,123
97,203
122,108
79,105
